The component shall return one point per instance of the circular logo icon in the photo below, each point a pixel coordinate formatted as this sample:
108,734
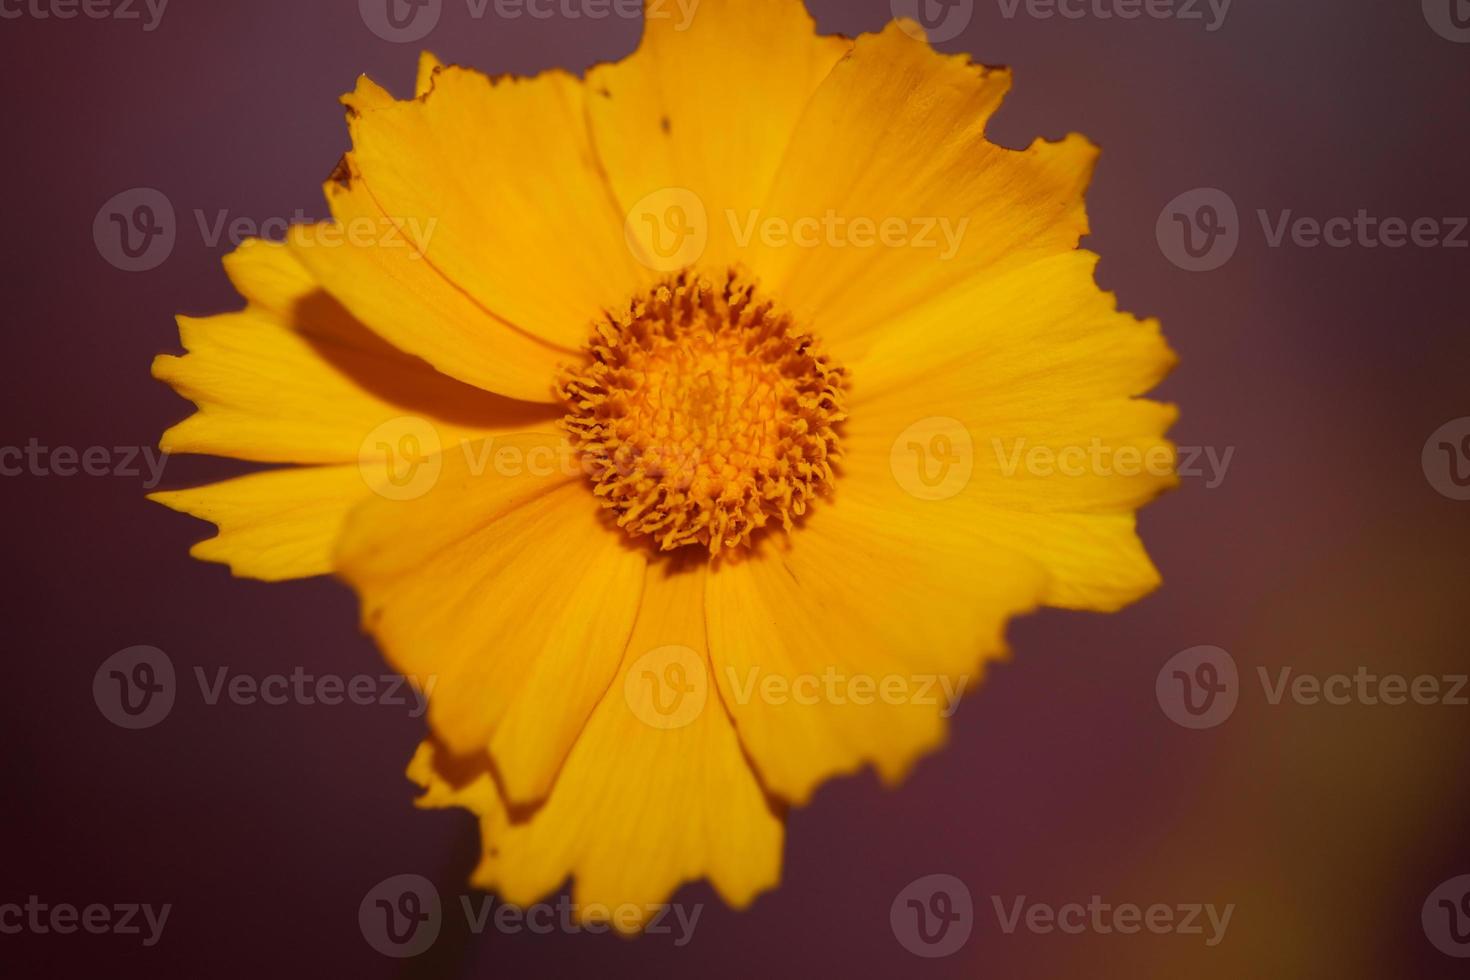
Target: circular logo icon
134,688
400,21
401,916
932,20
1199,230
135,230
1446,917
402,458
1446,459
1198,687
1450,19
934,458
933,916
667,230
667,687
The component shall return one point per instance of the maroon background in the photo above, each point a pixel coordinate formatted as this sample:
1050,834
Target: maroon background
1325,548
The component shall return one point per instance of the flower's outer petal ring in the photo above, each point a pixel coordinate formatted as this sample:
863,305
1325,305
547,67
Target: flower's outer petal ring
893,195
293,378
692,126
849,645
502,593
638,808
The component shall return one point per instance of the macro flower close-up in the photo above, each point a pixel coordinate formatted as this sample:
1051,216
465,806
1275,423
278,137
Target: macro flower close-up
736,487
599,501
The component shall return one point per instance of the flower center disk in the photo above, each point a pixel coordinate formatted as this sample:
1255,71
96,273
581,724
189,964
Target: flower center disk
705,414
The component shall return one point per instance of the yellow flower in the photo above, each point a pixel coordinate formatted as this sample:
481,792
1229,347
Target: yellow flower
689,430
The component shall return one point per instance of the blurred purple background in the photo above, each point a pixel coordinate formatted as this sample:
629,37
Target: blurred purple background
1324,548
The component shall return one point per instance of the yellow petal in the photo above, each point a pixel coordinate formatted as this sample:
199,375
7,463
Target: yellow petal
851,645
1007,406
293,378
276,525
655,793
513,210
374,266
1036,364
706,106
504,595
429,65
896,133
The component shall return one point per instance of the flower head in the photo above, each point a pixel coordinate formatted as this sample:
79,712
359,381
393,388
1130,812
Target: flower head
680,425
